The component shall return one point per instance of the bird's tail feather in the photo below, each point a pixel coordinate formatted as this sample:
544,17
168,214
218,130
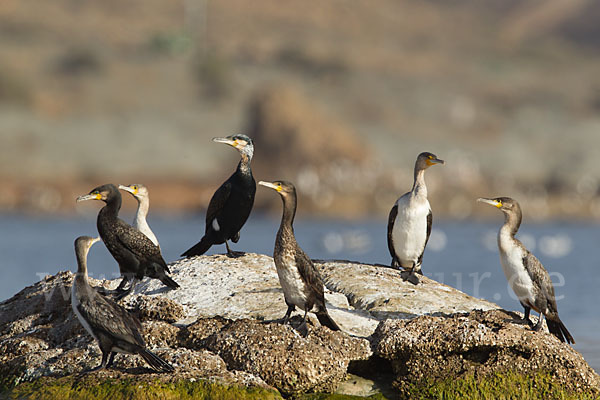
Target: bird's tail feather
199,248
168,281
157,363
558,329
325,320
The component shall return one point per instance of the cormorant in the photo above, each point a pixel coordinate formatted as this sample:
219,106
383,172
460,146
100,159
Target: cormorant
301,282
136,254
231,204
115,330
140,192
409,222
525,273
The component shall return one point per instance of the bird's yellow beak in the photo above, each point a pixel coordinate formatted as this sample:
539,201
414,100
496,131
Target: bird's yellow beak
129,189
232,143
85,197
492,202
271,185
434,161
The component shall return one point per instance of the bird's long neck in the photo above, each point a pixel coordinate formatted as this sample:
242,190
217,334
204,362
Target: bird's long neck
82,274
142,212
419,187
112,207
244,164
512,222
286,229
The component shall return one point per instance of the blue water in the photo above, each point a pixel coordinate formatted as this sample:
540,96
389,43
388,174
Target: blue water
461,254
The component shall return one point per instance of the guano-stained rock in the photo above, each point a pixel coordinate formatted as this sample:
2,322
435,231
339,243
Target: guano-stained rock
223,325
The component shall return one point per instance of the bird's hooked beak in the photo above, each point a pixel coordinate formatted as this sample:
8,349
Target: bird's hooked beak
85,197
434,161
129,189
233,143
271,185
491,202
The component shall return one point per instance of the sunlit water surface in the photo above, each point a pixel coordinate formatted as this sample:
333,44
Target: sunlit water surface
461,254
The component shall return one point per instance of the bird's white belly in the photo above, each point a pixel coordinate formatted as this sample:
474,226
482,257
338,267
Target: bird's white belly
74,305
291,282
516,274
410,232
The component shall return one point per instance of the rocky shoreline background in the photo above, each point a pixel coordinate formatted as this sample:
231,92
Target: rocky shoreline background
221,327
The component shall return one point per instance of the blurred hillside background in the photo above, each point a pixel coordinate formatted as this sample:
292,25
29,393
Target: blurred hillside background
339,95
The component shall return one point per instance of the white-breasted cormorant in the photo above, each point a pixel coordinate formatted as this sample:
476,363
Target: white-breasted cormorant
115,330
140,193
409,222
301,282
525,273
136,255
230,206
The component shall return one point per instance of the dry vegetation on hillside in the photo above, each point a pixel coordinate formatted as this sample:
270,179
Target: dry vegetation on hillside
348,92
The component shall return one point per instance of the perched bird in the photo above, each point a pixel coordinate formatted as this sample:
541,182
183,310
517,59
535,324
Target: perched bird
140,193
525,273
136,254
409,222
301,283
115,330
230,206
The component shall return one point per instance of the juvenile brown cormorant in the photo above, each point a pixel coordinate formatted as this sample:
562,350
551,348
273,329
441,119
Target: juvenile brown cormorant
136,254
301,283
140,193
409,222
115,330
231,204
525,273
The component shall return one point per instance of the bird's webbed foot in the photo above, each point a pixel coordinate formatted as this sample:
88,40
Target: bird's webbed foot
538,326
303,329
286,317
233,254
409,276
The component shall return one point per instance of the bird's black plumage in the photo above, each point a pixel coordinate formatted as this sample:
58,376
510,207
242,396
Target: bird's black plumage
135,253
115,330
301,282
230,205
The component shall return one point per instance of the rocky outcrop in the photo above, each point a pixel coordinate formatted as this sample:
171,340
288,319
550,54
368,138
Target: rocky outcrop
222,325
479,343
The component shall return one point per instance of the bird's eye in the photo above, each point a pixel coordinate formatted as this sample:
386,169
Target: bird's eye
135,187
430,157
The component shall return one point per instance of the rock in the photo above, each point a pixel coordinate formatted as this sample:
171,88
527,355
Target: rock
157,308
480,343
359,295
222,325
382,292
286,360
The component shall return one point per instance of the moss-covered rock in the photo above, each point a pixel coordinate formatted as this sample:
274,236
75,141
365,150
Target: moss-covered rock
90,387
499,386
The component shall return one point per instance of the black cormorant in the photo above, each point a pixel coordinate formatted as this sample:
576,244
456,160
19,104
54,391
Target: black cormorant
140,193
115,330
301,282
525,273
409,222
231,204
136,254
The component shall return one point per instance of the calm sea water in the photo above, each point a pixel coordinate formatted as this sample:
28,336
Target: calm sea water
461,254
